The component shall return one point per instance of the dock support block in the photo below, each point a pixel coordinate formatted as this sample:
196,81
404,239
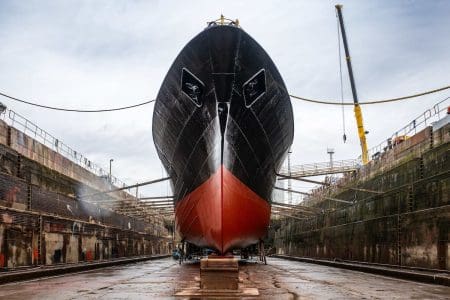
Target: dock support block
219,273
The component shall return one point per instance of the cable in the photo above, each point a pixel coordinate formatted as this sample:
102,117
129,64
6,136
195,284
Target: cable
344,135
293,96
75,110
331,102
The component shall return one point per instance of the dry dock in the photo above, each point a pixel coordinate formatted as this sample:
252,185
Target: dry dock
64,223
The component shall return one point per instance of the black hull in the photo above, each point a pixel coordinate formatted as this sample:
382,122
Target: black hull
223,102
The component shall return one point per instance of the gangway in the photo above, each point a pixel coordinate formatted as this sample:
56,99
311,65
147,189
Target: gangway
322,168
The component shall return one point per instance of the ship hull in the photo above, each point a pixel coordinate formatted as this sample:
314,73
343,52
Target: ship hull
223,213
222,126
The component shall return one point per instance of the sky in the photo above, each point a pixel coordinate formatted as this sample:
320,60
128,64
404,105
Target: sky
101,54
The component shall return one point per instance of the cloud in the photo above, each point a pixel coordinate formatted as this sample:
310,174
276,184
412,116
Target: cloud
112,53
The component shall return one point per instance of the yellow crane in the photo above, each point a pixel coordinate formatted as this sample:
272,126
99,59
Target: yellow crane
357,107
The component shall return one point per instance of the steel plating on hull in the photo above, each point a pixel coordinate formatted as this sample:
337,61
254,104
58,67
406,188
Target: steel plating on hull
222,126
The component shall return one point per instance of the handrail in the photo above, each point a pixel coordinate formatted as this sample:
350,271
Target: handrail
321,168
419,123
223,21
27,127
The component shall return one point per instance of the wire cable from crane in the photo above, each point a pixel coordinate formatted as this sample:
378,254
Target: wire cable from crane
344,135
334,102
73,109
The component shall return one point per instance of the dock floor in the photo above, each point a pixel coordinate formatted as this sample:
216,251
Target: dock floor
279,279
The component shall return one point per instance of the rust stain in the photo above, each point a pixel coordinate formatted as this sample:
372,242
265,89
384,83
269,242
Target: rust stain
8,219
11,195
89,256
35,254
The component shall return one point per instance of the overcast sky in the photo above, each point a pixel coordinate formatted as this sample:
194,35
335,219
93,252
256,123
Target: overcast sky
99,54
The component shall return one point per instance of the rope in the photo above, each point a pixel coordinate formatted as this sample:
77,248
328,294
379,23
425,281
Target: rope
331,102
73,109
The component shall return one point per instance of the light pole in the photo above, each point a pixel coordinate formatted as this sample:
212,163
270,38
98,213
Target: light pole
110,174
290,174
330,151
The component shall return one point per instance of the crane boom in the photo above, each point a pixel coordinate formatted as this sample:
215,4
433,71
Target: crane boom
357,107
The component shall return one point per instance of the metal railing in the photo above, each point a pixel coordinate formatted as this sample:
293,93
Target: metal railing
323,168
429,116
423,120
34,132
24,125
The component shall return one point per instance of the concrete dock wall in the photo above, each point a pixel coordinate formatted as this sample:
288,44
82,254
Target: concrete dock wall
407,223
44,222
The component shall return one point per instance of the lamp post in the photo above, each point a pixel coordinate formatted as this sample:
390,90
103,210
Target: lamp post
290,174
330,151
110,174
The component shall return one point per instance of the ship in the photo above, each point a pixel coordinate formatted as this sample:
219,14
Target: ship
222,126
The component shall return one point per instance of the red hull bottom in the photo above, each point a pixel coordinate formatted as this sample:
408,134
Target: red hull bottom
222,213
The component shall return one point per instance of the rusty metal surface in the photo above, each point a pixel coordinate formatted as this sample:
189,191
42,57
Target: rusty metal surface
280,279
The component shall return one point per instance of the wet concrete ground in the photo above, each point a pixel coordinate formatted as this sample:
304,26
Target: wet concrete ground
279,279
